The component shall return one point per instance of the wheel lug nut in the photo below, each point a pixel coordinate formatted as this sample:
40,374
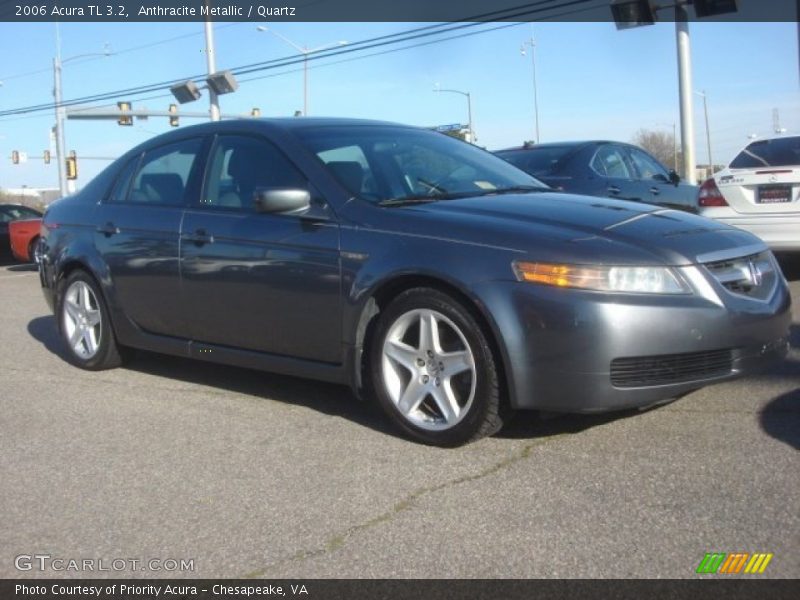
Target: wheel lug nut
430,354
420,362
425,379
441,366
437,381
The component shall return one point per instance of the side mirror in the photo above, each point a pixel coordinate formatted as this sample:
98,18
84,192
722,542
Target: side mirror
674,178
282,200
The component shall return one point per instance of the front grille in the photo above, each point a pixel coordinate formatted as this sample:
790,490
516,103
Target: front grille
642,371
750,276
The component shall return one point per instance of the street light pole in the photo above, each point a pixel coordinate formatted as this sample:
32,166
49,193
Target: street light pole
61,153
305,51
532,44
472,138
685,92
708,131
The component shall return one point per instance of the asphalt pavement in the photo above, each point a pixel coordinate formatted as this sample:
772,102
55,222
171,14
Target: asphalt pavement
248,474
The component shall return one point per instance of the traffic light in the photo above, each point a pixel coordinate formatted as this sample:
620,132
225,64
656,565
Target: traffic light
173,115
72,165
47,157
15,157
124,119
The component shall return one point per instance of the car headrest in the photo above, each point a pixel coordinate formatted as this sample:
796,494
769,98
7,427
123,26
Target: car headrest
349,172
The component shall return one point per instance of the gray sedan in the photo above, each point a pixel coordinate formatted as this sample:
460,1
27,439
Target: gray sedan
424,272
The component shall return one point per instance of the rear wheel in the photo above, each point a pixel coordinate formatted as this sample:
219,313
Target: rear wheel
433,370
85,324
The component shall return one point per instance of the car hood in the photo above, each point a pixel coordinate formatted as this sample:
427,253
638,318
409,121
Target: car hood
555,226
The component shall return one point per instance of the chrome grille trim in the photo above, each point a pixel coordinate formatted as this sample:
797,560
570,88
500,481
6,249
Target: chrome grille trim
753,276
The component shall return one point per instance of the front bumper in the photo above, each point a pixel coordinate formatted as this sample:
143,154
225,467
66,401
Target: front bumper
559,345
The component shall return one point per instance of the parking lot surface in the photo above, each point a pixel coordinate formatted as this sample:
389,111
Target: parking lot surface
249,474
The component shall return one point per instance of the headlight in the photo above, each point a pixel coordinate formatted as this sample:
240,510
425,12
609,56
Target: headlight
630,280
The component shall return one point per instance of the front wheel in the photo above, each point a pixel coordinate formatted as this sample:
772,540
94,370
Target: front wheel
34,251
85,324
433,370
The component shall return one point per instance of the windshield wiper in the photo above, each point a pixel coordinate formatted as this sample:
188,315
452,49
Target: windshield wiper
516,189
403,200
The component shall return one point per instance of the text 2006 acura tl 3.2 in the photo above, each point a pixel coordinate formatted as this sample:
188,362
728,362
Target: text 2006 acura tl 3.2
419,269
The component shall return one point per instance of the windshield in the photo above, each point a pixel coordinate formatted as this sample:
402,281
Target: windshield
14,213
780,152
396,164
536,161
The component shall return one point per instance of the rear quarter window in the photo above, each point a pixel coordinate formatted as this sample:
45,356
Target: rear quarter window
537,161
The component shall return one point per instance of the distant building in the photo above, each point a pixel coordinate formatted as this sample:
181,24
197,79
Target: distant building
35,197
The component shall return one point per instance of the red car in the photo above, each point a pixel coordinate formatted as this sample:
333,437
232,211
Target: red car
21,225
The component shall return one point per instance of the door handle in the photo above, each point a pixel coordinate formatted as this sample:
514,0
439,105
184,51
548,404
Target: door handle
612,189
655,191
199,237
108,229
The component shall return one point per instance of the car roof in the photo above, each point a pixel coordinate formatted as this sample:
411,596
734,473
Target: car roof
259,124
281,123
570,144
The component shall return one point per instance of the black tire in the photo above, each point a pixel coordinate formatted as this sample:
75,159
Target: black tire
483,410
107,354
32,251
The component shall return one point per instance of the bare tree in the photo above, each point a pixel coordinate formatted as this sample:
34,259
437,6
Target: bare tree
660,144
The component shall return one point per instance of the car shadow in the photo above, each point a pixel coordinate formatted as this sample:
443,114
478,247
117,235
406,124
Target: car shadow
780,419
23,268
529,424
790,265
339,401
330,399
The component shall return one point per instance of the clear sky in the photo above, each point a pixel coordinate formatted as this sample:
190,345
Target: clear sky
593,81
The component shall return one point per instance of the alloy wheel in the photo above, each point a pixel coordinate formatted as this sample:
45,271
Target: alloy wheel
82,320
428,369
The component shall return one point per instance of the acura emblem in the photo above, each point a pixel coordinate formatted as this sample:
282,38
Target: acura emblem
755,273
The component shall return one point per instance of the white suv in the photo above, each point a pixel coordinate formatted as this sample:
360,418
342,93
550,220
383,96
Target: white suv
759,191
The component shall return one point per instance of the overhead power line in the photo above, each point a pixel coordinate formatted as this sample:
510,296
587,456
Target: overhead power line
370,43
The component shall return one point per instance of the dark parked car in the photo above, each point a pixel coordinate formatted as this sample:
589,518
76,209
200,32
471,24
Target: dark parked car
8,214
414,267
602,168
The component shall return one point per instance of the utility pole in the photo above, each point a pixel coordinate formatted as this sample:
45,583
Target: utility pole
61,154
685,92
211,63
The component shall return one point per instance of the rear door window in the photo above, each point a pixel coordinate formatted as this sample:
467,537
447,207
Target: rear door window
164,174
119,193
609,161
647,166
